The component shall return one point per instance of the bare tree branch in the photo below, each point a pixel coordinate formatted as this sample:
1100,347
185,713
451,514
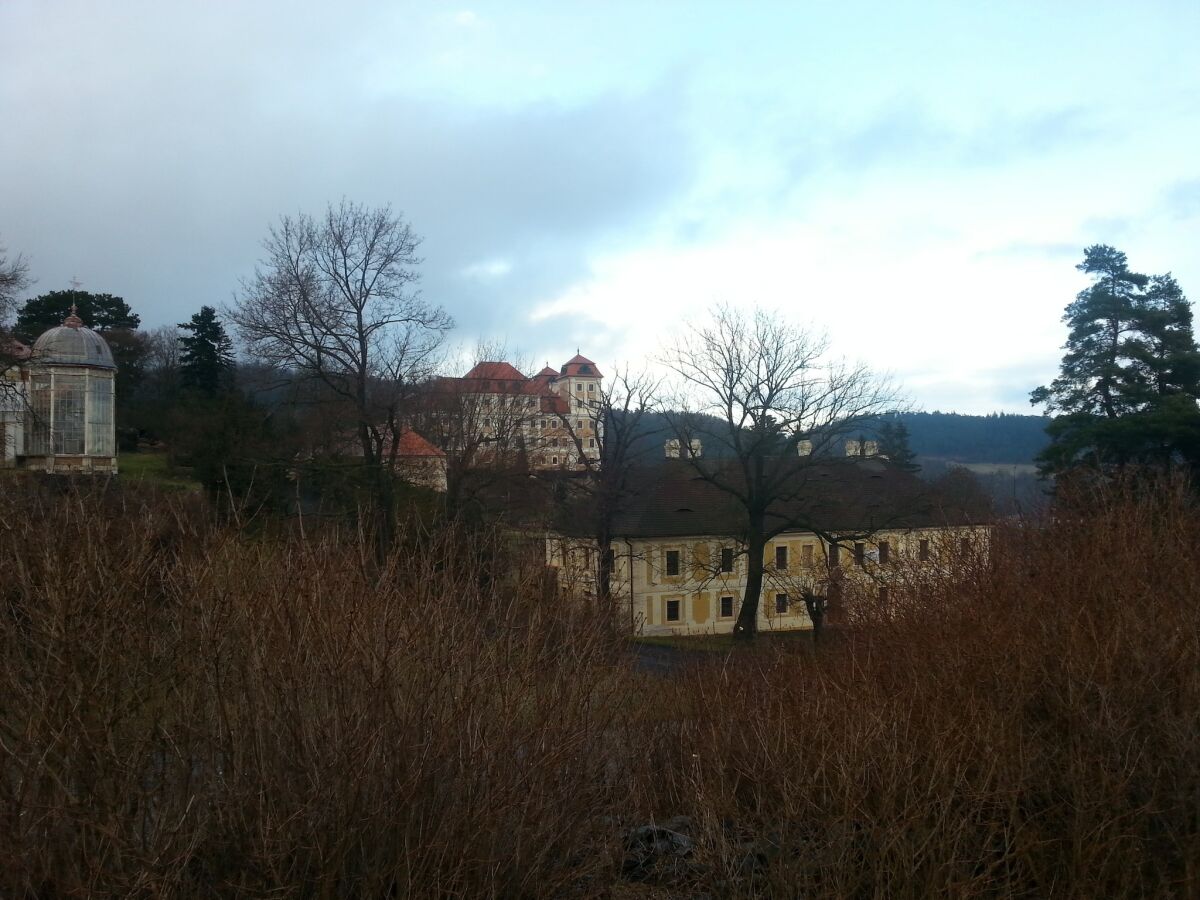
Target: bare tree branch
767,394
333,301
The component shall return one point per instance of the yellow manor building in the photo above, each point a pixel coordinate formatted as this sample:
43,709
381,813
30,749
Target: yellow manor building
679,563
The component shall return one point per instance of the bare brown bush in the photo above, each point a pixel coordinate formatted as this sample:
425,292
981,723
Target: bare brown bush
190,712
187,710
1027,725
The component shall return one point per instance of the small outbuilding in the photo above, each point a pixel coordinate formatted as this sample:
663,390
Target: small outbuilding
66,382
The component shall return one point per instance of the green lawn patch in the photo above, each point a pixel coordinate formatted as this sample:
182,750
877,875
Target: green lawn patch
156,468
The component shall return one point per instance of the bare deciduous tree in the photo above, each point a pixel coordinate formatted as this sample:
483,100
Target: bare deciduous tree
334,301
770,398
618,413
14,278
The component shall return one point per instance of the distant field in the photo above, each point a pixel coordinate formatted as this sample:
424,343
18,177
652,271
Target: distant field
986,468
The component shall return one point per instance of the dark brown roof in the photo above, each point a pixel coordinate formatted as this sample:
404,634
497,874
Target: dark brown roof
841,496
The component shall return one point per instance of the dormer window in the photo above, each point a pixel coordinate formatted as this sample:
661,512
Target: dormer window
585,370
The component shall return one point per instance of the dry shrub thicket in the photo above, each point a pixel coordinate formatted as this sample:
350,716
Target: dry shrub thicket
189,710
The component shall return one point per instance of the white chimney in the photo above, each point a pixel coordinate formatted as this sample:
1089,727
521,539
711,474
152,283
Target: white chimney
804,448
672,448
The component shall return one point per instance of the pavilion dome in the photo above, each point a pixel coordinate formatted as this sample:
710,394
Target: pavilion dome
72,344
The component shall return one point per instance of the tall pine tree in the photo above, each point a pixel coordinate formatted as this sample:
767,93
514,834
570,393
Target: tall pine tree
1129,384
206,354
893,443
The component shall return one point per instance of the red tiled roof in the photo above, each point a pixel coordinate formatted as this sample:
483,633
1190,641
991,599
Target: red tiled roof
546,373
580,365
495,371
412,444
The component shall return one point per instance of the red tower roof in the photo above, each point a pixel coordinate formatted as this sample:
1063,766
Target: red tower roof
580,365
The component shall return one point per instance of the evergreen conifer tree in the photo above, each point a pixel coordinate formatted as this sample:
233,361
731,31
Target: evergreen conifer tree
206,354
893,443
1129,384
103,312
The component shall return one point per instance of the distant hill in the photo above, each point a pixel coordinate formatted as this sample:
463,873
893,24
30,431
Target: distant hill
997,438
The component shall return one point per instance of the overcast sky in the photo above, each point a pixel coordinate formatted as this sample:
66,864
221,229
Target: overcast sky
918,179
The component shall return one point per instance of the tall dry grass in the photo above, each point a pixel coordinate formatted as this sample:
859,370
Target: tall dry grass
189,710
1028,725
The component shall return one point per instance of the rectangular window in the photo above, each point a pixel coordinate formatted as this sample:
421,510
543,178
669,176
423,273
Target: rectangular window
860,553
610,556
726,607
964,546
591,388
100,433
726,559
69,404
923,550
884,549
591,442
781,603
672,610
835,556
806,554
672,562
883,594
781,557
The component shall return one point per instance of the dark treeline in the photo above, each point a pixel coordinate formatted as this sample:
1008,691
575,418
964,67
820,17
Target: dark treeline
994,438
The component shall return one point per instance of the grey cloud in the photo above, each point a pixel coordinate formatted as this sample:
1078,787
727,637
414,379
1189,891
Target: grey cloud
1037,249
1182,199
905,133
160,185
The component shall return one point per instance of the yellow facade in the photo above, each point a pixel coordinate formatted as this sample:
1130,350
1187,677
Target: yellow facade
687,585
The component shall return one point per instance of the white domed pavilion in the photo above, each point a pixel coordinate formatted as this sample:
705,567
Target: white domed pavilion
69,421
